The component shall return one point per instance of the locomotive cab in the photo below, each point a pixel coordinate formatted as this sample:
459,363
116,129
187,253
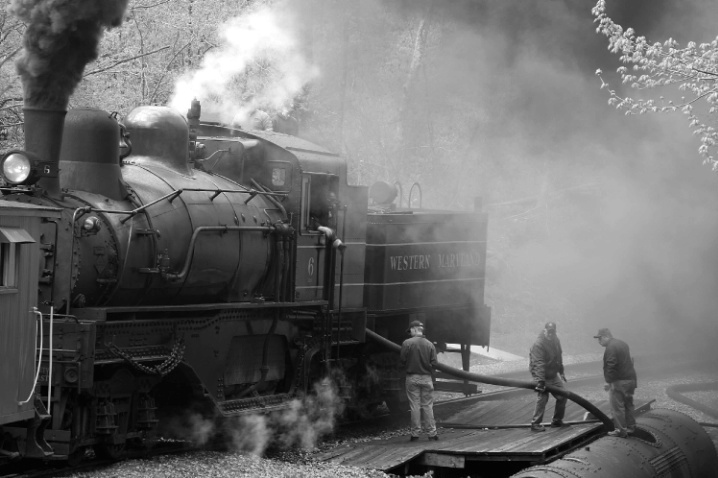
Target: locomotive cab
317,199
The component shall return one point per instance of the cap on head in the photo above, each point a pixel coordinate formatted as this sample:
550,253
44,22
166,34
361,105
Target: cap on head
603,333
415,323
550,327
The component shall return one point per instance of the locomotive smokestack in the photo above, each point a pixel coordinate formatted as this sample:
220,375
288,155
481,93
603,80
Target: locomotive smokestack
60,39
43,137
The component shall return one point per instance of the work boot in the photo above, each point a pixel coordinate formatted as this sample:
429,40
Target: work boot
537,427
618,433
631,430
559,424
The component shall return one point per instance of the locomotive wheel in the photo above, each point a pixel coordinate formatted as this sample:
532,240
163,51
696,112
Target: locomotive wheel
142,446
107,451
395,405
360,411
76,456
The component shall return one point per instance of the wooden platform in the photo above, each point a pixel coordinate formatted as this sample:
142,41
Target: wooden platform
487,431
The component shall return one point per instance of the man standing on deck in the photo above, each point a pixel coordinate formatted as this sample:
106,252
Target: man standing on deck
621,380
546,365
418,358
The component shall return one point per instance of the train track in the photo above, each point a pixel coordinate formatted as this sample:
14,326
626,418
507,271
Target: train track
54,468
588,377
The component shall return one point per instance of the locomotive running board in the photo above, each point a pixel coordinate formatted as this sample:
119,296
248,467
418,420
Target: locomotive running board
102,313
253,405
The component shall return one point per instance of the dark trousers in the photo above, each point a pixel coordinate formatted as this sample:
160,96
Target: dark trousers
620,396
542,400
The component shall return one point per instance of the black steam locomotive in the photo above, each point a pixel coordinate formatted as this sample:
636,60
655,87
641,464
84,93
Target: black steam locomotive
163,264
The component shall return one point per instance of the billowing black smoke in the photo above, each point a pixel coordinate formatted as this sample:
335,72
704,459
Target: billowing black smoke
61,38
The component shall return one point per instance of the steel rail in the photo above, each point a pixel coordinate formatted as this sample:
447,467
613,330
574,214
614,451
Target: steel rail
675,392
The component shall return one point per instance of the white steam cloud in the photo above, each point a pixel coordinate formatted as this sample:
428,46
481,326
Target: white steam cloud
257,64
301,425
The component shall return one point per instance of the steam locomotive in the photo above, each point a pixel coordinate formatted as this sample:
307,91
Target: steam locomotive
165,263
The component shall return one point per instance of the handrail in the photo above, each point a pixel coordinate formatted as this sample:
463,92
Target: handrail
131,213
190,250
177,192
271,199
39,357
411,193
49,358
75,217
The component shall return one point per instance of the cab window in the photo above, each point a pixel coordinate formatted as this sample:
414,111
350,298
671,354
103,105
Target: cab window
8,265
10,240
319,201
278,175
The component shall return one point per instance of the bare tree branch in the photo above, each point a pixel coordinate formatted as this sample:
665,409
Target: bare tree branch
100,70
16,27
146,7
167,69
7,100
142,49
9,56
710,73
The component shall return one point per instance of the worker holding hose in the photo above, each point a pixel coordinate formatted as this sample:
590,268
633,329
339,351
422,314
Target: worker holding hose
620,376
418,358
546,366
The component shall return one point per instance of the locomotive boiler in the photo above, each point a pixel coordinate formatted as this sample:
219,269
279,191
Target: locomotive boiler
191,266
151,231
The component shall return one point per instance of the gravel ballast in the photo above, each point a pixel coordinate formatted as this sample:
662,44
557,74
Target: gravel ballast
295,462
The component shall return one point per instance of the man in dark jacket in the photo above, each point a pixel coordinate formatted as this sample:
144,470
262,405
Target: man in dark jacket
621,381
418,358
546,365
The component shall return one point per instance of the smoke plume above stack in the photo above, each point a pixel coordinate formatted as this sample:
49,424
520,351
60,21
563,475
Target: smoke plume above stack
61,38
258,63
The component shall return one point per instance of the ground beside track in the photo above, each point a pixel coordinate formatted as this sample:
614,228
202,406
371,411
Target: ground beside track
298,463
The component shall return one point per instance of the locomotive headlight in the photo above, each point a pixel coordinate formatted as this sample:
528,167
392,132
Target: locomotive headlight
23,167
16,167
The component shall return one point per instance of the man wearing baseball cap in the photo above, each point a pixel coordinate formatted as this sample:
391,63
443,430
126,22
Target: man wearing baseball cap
620,376
418,358
546,365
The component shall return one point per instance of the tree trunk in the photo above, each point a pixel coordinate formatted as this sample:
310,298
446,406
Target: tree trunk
417,56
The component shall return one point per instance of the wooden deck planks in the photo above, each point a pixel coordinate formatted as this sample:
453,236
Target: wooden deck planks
493,412
477,443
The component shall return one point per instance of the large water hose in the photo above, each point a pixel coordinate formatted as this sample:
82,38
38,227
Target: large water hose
504,382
